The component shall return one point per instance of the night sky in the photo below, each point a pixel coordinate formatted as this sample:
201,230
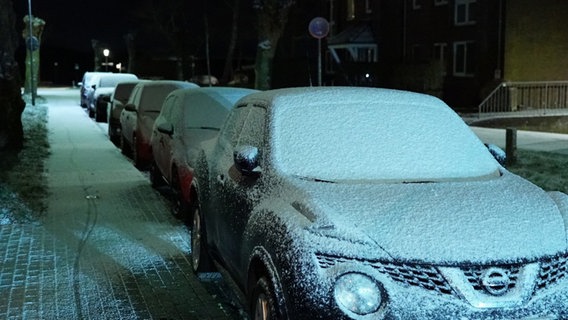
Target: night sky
70,26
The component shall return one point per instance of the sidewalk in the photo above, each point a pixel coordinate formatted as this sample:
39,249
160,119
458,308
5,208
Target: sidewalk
108,247
526,140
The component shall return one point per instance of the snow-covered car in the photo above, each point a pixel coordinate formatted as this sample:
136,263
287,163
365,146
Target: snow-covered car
188,117
104,85
86,86
115,104
367,203
138,115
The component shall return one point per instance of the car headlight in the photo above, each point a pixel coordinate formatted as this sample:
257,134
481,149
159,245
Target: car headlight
357,293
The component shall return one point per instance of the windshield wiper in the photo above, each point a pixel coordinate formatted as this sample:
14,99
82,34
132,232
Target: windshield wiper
314,179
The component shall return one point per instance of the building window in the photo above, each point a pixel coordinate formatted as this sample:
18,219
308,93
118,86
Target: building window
440,51
440,2
350,10
416,4
440,55
464,12
464,58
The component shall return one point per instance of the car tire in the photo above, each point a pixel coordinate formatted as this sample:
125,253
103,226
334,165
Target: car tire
124,146
100,114
135,154
180,207
263,300
200,259
115,139
156,178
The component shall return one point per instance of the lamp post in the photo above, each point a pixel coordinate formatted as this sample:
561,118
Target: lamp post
106,52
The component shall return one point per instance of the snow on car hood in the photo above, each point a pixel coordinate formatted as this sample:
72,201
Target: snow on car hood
503,219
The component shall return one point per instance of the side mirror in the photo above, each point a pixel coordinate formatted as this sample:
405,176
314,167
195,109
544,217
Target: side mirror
165,128
105,99
94,87
246,159
130,107
497,153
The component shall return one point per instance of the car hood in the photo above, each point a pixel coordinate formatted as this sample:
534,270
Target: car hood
503,219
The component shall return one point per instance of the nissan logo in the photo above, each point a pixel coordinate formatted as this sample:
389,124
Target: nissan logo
496,281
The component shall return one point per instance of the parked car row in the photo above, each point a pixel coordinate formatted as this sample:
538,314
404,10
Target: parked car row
354,203
98,88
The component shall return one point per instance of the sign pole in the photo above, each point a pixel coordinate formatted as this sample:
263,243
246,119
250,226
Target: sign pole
319,28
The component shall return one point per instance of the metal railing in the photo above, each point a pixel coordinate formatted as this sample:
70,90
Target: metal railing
526,96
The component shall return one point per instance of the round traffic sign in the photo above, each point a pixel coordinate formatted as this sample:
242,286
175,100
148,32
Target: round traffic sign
318,27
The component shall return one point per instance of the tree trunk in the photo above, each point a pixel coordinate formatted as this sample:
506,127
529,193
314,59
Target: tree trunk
11,103
228,70
272,19
32,53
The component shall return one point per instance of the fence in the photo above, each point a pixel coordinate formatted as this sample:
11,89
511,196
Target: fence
524,96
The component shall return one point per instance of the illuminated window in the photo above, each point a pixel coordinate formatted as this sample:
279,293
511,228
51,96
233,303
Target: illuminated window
464,12
464,58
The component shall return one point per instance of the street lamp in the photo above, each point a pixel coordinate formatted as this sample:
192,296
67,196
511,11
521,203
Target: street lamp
106,52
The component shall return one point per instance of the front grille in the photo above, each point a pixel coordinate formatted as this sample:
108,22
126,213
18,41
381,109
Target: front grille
552,271
428,277
474,275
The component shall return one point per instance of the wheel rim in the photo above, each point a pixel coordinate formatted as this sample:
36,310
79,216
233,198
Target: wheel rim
261,308
196,239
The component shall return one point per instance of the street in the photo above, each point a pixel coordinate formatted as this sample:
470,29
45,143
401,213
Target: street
108,247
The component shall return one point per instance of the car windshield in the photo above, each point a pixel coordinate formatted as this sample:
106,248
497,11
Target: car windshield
399,142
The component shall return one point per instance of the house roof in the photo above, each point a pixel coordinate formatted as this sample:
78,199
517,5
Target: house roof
356,35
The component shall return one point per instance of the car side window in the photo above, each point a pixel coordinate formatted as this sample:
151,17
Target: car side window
166,112
233,125
176,115
252,133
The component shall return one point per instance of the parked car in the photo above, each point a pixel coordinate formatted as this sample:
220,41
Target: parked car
115,104
104,85
137,117
86,86
188,117
366,203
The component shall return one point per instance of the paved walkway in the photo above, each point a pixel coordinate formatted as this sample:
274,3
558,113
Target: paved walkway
108,247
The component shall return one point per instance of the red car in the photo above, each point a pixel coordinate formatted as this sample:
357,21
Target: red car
138,115
188,118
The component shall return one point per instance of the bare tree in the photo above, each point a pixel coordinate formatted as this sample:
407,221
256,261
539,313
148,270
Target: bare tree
11,103
228,69
272,17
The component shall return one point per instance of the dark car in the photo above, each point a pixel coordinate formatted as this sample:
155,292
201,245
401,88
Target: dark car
365,203
188,117
103,86
115,104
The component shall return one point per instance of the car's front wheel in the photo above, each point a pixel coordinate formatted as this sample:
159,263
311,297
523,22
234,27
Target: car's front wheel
124,146
263,300
200,259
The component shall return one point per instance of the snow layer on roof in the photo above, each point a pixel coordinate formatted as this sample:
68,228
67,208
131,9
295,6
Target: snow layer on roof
365,133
